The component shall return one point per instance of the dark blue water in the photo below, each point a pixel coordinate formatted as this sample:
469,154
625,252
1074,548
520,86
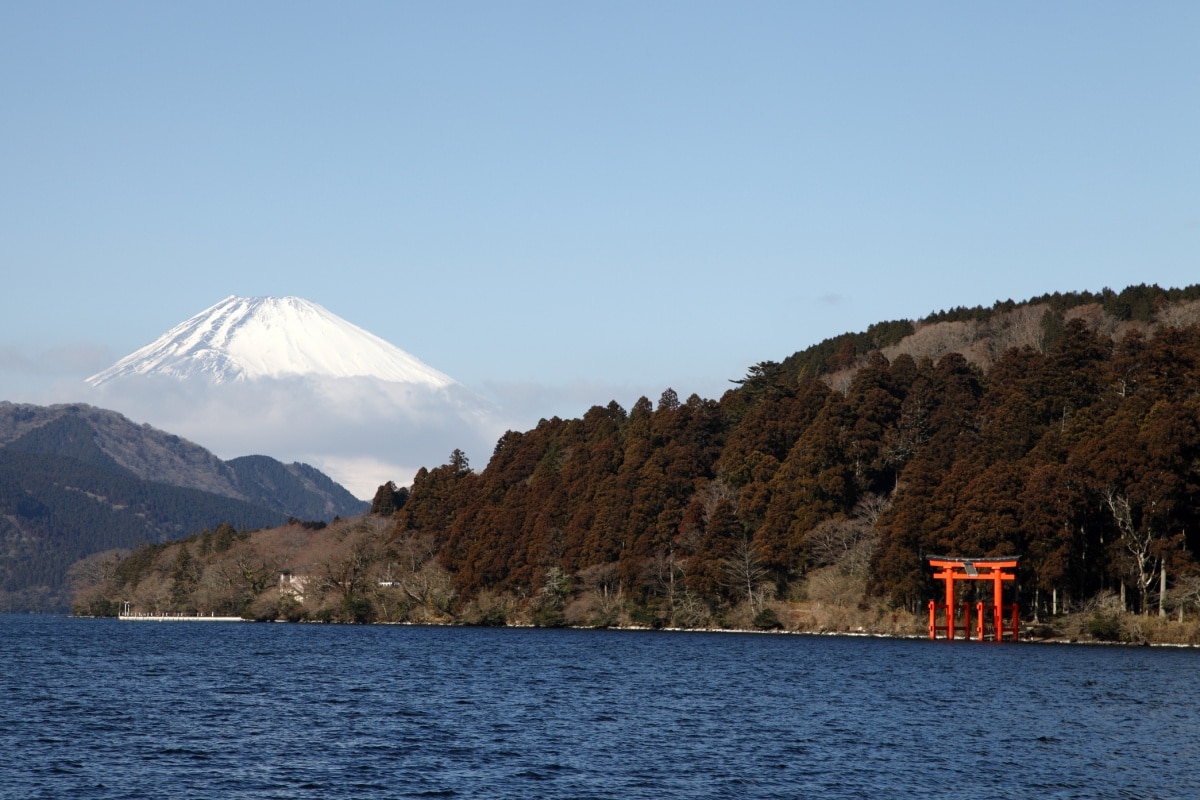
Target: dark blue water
103,709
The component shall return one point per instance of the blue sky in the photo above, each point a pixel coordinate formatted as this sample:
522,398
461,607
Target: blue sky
567,203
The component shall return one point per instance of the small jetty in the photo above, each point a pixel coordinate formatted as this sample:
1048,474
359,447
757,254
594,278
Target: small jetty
175,618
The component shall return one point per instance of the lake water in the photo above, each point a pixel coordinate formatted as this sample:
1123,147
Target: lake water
105,709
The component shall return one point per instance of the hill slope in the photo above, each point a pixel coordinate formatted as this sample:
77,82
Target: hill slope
55,510
110,440
75,480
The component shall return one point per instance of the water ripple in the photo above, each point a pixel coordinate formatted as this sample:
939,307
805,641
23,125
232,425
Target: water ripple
92,708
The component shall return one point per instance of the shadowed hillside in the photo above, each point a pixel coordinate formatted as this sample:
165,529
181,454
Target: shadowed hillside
75,480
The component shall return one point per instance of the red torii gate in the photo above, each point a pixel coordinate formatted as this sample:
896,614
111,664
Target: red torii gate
996,570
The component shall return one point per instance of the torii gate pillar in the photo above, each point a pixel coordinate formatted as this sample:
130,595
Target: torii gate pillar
996,570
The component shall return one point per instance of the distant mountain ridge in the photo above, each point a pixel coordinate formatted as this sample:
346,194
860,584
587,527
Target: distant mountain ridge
299,490
55,510
76,480
110,440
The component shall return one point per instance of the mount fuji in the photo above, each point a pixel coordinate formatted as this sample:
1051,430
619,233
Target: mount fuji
246,338
285,377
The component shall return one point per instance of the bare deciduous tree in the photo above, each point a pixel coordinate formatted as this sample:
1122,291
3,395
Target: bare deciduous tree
93,572
745,574
1138,540
602,590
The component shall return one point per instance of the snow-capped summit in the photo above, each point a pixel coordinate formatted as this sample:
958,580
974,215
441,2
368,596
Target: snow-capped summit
284,377
245,338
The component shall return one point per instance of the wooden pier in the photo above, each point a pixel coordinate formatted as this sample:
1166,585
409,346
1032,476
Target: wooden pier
176,618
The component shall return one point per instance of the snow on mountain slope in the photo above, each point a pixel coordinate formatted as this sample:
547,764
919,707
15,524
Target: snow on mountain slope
244,338
286,378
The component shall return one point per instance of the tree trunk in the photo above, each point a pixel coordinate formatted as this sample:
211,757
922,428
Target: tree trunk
1162,590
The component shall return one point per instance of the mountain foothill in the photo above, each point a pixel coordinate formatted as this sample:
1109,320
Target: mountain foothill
76,480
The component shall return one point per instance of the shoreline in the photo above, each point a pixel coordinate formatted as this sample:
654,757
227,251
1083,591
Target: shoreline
862,634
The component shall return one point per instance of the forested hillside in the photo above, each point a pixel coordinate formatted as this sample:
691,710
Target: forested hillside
75,480
1065,431
1075,450
109,440
55,510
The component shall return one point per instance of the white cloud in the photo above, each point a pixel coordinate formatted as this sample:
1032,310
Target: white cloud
362,475
359,431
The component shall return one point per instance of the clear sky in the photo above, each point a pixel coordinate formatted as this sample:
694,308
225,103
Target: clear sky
564,203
